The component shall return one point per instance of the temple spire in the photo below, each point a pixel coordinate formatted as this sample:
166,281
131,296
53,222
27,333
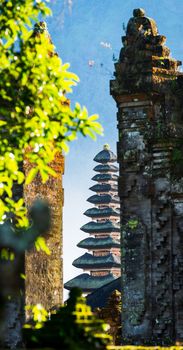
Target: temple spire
103,257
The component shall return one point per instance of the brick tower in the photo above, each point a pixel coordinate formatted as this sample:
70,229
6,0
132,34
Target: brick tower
44,273
148,88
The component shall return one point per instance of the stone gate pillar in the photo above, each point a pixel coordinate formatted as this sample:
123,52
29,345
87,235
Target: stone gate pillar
148,89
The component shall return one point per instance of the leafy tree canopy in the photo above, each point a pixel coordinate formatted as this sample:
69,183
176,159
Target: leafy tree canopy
36,119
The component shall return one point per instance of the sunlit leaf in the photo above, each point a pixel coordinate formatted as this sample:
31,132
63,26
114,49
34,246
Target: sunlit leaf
31,175
41,245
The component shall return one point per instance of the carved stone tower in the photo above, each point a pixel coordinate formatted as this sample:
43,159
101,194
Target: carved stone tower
148,89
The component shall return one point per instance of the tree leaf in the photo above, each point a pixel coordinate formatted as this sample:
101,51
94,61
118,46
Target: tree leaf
31,175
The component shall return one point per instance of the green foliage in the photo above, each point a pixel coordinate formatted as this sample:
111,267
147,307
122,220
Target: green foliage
5,254
177,155
39,315
73,327
177,162
36,119
133,224
41,245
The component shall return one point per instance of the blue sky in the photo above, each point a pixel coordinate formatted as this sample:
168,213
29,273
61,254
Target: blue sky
80,36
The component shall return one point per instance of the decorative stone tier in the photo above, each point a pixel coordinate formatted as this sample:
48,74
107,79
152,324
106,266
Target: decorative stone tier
100,227
102,212
99,243
144,61
90,262
89,283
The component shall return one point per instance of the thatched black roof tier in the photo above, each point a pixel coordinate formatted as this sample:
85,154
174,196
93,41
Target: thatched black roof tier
105,177
89,283
101,295
98,243
108,168
99,227
89,261
102,212
105,156
103,199
104,188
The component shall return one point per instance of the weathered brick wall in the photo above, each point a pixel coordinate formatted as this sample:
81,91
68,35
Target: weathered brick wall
150,126
44,273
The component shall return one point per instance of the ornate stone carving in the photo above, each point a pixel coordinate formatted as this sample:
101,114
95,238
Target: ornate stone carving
150,184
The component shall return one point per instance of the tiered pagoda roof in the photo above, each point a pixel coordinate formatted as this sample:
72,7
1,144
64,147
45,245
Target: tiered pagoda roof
99,227
103,199
104,188
104,260
105,156
89,283
93,243
89,261
105,177
102,212
104,168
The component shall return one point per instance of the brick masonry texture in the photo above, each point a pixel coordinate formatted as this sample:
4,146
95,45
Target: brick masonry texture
148,90
44,273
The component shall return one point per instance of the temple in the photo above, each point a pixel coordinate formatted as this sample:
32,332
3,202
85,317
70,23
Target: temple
103,257
148,90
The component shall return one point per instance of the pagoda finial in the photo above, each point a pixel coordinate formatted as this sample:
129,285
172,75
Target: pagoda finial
138,12
107,146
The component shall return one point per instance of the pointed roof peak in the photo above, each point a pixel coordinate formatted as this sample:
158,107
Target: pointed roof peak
106,147
141,26
105,156
139,12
